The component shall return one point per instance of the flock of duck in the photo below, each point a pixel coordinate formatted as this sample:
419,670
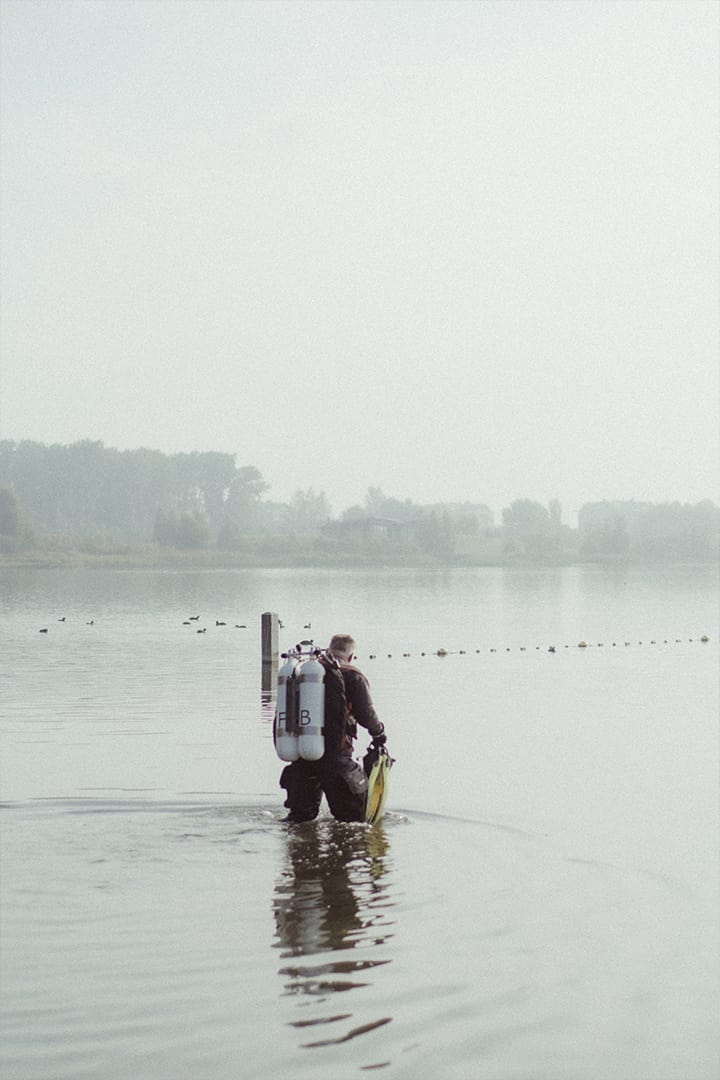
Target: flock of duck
188,622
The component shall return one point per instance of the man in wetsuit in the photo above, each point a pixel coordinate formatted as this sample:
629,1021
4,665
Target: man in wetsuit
336,775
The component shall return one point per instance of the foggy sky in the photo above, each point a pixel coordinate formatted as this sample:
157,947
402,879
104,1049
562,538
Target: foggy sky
453,250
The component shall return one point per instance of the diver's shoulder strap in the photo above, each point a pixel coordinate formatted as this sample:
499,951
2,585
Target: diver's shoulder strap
338,718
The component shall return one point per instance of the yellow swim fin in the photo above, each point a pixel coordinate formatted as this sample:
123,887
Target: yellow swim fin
378,784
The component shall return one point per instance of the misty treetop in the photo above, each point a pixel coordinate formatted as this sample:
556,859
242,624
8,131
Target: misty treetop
89,490
72,495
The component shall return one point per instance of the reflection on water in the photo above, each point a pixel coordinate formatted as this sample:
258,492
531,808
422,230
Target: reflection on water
268,675
332,896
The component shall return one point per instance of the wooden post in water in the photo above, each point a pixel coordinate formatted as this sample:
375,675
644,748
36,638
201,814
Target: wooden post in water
269,644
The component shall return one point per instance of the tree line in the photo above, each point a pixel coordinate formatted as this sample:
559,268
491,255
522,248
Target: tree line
83,494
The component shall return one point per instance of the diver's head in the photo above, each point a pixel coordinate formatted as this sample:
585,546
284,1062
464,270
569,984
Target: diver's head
342,646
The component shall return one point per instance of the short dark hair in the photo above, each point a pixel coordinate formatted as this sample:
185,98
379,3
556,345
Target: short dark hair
343,645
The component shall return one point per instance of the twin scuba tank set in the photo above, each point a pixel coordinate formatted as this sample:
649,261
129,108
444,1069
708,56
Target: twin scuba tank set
299,728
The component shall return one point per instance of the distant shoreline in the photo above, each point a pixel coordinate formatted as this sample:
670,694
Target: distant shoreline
150,557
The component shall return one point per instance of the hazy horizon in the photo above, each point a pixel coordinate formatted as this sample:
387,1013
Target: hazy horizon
457,251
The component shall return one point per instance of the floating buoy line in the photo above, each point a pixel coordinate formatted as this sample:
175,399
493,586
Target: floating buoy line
704,639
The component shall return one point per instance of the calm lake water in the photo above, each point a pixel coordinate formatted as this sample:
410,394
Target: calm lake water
540,901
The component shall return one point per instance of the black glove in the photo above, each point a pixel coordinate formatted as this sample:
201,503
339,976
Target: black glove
379,740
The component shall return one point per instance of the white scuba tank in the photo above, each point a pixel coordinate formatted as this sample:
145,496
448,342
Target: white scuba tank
311,710
285,732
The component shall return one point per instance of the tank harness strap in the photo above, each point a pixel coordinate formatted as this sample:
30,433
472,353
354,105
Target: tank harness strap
328,660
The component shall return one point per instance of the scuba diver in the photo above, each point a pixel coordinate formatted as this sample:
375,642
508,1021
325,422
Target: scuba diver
320,704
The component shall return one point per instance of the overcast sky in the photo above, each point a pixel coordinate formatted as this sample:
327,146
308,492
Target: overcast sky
452,250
